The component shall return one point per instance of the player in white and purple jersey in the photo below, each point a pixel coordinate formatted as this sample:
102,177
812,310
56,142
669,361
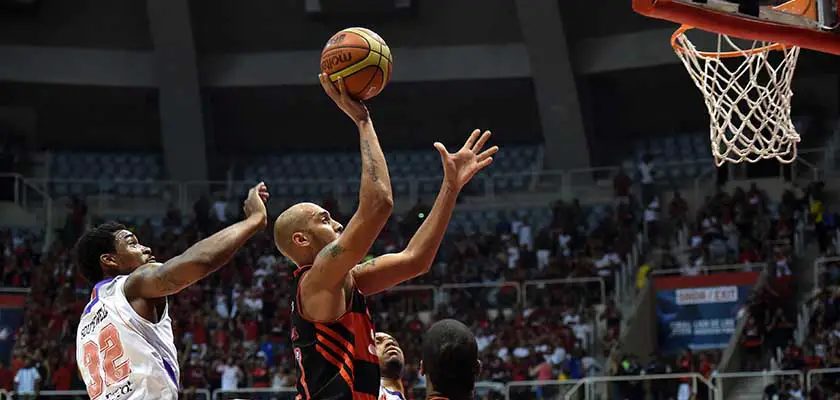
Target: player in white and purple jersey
124,343
391,362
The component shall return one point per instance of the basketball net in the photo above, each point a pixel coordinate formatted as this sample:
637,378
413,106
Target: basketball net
747,92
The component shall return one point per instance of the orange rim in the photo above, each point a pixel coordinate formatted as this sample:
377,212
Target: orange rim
720,54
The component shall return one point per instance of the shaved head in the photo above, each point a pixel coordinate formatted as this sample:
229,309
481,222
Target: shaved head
303,230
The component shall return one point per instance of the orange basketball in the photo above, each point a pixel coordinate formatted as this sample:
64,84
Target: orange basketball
361,58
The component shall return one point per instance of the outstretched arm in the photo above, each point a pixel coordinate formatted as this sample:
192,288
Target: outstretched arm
389,270
157,280
330,268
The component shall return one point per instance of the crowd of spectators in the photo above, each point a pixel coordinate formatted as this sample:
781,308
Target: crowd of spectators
231,329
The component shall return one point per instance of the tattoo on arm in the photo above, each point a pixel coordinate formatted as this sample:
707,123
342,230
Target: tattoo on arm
165,282
372,166
370,263
332,250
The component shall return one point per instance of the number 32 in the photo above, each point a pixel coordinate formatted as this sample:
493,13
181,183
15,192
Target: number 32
111,349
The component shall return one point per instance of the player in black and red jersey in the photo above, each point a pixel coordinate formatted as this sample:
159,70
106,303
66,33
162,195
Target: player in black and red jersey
332,333
450,361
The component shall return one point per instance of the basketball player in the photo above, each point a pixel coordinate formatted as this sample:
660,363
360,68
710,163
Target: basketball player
124,342
450,361
332,333
391,362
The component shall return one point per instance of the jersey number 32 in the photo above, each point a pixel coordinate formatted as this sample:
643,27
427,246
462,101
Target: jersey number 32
110,348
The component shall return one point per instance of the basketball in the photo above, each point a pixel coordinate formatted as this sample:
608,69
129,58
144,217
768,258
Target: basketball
361,58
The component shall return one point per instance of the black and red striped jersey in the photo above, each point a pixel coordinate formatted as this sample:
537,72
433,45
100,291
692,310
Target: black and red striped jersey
335,360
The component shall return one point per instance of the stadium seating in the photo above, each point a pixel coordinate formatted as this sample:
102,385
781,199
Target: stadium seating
83,174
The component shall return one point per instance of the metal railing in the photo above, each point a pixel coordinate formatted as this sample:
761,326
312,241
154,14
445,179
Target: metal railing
197,394
559,183
602,387
819,267
552,389
261,393
542,284
494,297
813,376
746,381
749,267
29,196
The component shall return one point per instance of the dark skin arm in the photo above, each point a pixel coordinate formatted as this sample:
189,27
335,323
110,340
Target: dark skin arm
323,288
149,285
389,270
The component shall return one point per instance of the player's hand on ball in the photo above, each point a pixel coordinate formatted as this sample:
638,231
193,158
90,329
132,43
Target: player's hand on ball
254,205
460,167
338,93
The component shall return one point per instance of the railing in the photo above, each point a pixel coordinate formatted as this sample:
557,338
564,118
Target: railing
747,380
31,197
417,298
545,284
815,375
819,266
495,297
625,288
716,268
605,386
261,393
563,184
197,394
552,389
483,390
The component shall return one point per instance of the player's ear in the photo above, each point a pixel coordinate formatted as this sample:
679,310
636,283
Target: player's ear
109,260
422,373
299,239
477,368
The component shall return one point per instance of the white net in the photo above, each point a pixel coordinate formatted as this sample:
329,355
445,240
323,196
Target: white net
747,90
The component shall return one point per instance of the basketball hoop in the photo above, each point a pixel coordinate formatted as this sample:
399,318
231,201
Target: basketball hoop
747,91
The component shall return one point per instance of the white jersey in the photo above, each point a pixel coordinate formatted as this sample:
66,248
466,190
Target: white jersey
388,394
121,355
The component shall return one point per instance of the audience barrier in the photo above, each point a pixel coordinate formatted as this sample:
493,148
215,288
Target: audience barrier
601,387
726,384
814,376
583,389
197,394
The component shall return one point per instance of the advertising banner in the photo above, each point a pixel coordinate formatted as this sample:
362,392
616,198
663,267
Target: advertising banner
699,312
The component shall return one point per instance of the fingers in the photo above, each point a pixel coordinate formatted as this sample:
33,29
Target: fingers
441,149
341,88
471,140
487,153
485,162
260,190
481,141
328,86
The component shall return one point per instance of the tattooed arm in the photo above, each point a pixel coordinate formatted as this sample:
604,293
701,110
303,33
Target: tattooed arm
331,266
155,280
389,270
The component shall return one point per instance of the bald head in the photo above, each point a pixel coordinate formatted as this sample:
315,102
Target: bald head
303,230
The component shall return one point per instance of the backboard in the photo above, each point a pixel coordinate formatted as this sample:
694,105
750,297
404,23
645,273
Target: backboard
811,24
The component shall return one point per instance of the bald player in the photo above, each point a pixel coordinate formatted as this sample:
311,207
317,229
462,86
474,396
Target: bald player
391,363
332,333
450,361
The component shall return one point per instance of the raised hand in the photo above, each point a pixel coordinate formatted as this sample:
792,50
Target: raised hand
460,167
338,93
254,205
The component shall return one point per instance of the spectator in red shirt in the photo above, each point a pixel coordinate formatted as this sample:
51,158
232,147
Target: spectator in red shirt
705,368
6,378
199,333
259,375
63,376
